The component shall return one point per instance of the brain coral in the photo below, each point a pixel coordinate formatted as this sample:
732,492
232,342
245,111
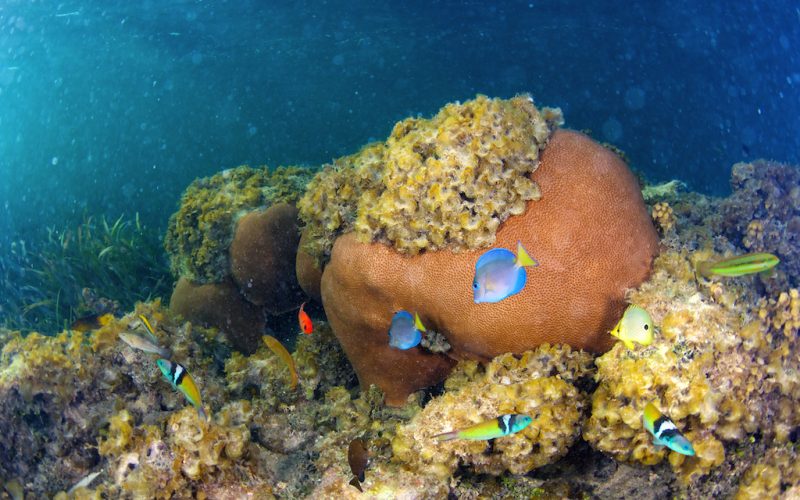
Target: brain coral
447,182
200,232
590,232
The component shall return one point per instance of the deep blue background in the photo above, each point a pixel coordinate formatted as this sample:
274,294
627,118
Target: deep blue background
112,107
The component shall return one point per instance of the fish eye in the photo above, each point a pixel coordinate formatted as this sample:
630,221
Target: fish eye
646,326
474,285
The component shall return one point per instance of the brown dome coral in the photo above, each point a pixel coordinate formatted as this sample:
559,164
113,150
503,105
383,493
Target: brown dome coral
590,232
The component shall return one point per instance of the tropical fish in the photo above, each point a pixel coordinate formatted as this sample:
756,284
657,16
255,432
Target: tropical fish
740,265
500,274
181,380
664,431
144,344
357,457
149,328
306,326
91,322
405,331
280,351
503,425
635,325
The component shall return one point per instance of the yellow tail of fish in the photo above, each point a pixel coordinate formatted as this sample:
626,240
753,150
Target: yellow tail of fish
523,259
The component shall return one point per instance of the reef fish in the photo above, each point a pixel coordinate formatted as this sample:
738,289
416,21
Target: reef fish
405,331
181,380
144,344
740,265
306,326
500,274
664,431
280,351
634,326
91,322
357,457
503,425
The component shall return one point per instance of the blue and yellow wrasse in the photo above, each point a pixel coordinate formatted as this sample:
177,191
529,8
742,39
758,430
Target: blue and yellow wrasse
503,425
181,380
740,265
500,274
91,322
664,431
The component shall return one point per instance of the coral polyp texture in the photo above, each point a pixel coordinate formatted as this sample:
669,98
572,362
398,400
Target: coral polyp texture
202,229
590,232
763,212
444,182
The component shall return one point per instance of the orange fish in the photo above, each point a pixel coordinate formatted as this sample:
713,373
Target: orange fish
305,322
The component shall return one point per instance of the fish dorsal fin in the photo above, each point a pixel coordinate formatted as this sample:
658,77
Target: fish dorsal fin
495,255
523,259
418,323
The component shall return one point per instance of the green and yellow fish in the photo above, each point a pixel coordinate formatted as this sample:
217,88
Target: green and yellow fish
91,322
740,265
503,425
634,326
664,431
181,380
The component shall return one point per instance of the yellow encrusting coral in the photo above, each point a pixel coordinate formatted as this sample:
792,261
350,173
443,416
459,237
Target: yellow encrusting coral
537,383
200,232
663,216
444,182
776,475
717,374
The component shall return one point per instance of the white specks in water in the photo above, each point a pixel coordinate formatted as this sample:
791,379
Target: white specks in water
612,130
251,130
54,161
338,60
634,98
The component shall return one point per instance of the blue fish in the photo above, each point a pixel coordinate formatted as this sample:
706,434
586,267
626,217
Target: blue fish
406,330
500,274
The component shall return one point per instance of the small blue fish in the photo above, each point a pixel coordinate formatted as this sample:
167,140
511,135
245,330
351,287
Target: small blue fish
406,330
500,274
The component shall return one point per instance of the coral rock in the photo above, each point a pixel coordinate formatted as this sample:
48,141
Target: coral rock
307,268
590,232
222,306
262,255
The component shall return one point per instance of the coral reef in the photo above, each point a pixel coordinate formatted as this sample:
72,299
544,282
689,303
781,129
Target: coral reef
776,475
446,182
590,232
763,212
719,375
538,383
220,305
663,217
262,256
202,229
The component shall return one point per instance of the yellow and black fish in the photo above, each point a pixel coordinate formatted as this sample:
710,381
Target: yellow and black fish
91,322
180,379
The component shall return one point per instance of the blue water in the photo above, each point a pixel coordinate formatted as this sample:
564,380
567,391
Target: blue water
114,106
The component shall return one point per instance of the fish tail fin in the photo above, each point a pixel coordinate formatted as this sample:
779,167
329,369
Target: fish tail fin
418,323
164,353
356,484
628,344
202,412
446,436
523,259
704,269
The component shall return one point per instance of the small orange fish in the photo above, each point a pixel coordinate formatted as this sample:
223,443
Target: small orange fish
305,321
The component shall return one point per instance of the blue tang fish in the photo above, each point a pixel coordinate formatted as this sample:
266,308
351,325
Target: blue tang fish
500,274
406,330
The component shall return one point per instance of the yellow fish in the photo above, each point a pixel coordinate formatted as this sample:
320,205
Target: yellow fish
180,379
634,326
